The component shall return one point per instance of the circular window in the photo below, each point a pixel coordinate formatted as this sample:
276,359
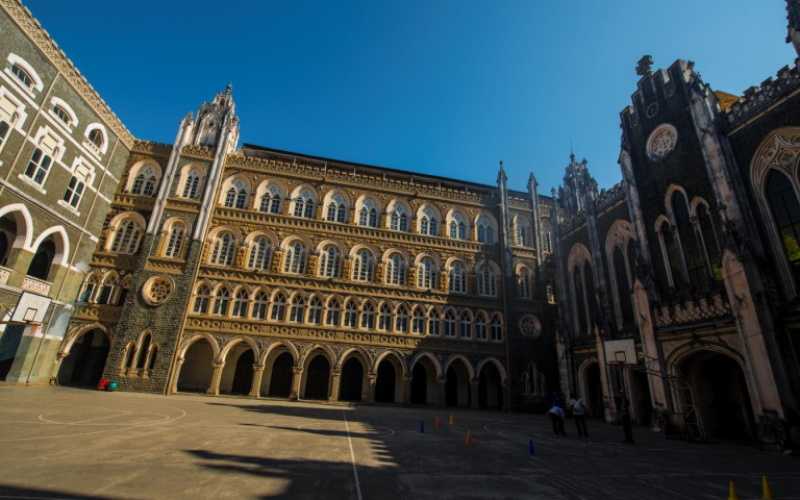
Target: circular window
158,290
530,327
662,141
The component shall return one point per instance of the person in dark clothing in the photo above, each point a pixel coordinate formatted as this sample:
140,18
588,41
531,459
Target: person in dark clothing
555,400
625,411
557,416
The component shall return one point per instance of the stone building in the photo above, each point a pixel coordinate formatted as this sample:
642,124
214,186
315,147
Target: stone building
62,152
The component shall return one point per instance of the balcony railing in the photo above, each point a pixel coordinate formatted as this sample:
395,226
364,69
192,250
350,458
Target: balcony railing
696,310
4,275
37,286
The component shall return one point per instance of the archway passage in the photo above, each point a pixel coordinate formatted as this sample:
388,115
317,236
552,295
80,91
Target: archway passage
721,396
490,389
42,260
243,376
457,390
352,380
386,382
86,360
317,378
643,406
280,384
8,235
594,389
419,385
196,371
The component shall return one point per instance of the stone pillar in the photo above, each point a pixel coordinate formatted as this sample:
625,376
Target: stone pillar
407,390
373,382
441,391
296,379
258,373
474,393
504,385
336,382
178,366
213,389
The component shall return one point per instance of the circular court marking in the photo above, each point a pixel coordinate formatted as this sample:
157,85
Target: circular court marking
384,433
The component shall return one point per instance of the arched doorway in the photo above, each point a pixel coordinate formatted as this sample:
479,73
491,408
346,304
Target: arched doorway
386,384
196,370
642,404
352,384
490,388
721,395
317,377
457,391
42,260
86,360
419,385
594,391
8,235
243,375
280,383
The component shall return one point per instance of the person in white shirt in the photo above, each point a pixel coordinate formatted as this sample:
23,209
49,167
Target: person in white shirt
557,416
579,412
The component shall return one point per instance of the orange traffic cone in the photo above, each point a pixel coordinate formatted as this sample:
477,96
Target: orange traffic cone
734,495
451,419
437,422
469,437
767,490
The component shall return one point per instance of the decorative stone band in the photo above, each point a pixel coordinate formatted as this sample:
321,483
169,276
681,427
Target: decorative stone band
34,285
693,311
4,274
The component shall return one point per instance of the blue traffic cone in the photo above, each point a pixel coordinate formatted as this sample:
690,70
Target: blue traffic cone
530,447
421,427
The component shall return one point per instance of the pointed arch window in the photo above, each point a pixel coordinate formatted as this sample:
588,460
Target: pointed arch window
304,205
520,232
350,315
260,304
418,322
337,211
487,283
481,327
221,302
426,274
385,318
191,185
297,310
524,283
271,200
363,267
398,218
671,261
126,239
497,328
240,305
689,244
623,288
144,184
428,224
547,240
458,278
223,250
108,290
485,231
458,229
87,292
236,195
466,325
260,252
580,300
785,208
315,311
202,298
368,317
709,239
434,323
450,324
368,215
396,270
175,241
551,291
295,260
278,313
401,320
332,318
330,264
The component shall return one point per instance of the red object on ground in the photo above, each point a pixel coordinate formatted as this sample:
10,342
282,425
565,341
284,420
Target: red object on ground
101,386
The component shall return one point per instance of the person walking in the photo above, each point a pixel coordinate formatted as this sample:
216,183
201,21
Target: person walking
557,416
625,411
579,412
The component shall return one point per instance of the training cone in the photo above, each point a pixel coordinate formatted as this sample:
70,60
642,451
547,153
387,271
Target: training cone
451,419
437,422
469,437
421,427
734,495
530,447
767,490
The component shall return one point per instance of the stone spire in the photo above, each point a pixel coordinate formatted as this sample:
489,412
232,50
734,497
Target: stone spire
793,16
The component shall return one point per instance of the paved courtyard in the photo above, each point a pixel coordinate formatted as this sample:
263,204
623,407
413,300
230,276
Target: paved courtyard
61,443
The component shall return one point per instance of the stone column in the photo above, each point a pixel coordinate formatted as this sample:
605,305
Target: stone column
373,382
407,390
296,379
474,394
178,366
258,372
504,385
336,382
213,389
441,391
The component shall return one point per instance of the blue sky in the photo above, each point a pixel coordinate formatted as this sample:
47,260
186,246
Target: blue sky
446,87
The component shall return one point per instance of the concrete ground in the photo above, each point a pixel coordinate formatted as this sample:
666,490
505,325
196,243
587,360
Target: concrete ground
59,443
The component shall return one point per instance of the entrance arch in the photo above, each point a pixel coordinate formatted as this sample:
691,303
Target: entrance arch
317,376
196,370
592,389
490,388
457,389
237,376
423,381
86,360
352,385
280,379
387,385
641,402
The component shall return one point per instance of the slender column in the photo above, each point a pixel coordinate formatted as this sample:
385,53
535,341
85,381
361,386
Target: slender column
474,390
178,366
407,390
258,373
296,379
336,382
373,382
441,393
213,389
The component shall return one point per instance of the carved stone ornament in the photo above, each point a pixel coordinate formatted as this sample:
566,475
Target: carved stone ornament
530,327
662,142
158,290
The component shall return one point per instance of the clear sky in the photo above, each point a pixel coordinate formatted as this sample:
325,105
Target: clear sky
446,87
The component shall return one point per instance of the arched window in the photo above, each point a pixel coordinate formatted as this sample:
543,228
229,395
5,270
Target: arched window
236,195
87,291
304,205
42,260
223,250
524,283
108,290
547,240
271,200
332,319
428,224
368,215
330,263
396,270
337,210
295,260
434,323
786,212
260,304
466,325
368,317
39,166
315,311
385,318
481,332
709,238
144,184
689,244
221,302
580,300
240,305
202,298
401,321
426,274
418,321
450,324
520,232
76,186
126,239
350,314
278,313
191,185
143,351
22,75
623,288
671,263
260,251
551,291
4,128
398,218
458,278
497,328
458,229
297,310
363,267
485,231
487,284
96,137
175,241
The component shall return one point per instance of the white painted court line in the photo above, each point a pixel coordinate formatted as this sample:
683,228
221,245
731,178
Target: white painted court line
352,456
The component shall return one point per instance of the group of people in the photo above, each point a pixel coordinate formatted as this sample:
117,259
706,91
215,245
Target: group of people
557,415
